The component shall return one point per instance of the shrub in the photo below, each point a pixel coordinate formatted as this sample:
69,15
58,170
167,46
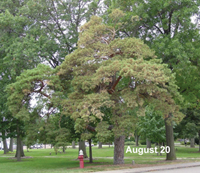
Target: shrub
182,143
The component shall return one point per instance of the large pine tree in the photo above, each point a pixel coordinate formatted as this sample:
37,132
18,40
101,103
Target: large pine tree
121,74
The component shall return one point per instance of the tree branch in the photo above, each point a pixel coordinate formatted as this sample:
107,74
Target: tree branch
110,91
40,90
158,29
93,129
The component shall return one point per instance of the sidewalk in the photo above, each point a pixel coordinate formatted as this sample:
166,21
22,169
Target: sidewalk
154,168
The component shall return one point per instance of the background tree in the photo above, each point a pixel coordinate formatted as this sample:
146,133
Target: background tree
20,92
38,31
189,126
152,126
14,58
45,118
55,25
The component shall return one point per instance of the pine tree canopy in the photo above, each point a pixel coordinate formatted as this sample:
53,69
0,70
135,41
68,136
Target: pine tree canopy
121,74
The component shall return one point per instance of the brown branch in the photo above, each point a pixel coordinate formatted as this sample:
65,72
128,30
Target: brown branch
40,90
90,128
118,53
110,91
45,95
176,27
42,86
170,20
93,129
60,120
158,29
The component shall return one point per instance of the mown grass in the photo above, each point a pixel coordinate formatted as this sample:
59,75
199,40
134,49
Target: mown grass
42,162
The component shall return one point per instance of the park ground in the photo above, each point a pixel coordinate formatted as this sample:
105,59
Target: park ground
40,160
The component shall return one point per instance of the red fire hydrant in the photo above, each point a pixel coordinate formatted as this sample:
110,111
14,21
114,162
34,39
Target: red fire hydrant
80,157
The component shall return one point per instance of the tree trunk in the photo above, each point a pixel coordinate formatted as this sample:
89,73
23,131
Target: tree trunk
119,150
136,138
199,140
90,149
170,138
83,148
5,147
63,149
159,145
73,144
100,145
148,142
55,149
11,145
19,151
192,143
22,149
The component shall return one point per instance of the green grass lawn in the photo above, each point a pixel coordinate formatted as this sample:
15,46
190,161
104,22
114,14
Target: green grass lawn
42,162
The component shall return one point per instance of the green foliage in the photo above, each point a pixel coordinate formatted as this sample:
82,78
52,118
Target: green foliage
191,130
152,125
33,32
143,142
16,54
167,28
31,81
189,126
103,134
41,30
